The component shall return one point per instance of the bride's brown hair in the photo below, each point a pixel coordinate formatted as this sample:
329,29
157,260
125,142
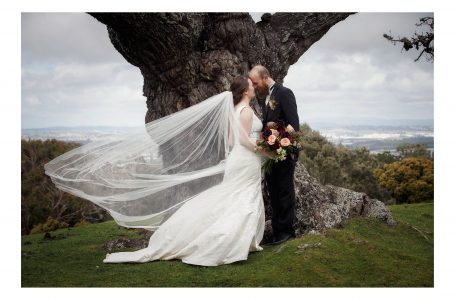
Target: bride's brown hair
238,86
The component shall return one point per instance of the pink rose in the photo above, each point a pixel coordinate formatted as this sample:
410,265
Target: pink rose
271,140
285,142
274,132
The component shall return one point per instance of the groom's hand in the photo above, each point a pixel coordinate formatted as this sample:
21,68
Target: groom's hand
294,157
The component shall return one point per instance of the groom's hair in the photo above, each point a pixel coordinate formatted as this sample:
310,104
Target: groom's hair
262,71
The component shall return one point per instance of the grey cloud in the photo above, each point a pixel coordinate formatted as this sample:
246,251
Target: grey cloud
72,75
57,37
363,31
75,94
354,73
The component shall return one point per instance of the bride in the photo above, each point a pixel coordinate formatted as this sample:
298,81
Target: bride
193,177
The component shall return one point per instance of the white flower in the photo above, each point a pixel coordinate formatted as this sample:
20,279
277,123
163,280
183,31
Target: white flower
289,128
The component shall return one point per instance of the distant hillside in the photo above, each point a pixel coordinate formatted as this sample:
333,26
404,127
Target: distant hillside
81,135
377,138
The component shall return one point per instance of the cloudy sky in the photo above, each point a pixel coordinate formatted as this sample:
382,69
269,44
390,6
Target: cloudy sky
73,76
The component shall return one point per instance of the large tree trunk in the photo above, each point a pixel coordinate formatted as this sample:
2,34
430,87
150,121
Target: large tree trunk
188,57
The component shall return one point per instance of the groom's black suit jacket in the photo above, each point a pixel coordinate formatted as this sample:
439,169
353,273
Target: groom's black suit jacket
280,182
285,108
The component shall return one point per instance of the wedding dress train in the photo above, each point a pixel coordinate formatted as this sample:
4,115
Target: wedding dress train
220,225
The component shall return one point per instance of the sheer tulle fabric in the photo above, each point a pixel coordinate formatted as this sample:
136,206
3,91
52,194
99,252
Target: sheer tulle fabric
143,178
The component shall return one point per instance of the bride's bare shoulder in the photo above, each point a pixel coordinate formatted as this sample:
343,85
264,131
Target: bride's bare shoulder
247,112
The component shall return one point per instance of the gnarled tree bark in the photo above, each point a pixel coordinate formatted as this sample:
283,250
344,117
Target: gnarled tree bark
188,57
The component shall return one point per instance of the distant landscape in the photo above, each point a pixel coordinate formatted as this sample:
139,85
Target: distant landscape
376,138
339,156
380,138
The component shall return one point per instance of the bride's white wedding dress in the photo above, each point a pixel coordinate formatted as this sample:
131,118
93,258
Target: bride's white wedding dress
221,225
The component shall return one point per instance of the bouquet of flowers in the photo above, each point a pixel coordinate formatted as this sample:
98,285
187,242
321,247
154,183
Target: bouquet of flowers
282,140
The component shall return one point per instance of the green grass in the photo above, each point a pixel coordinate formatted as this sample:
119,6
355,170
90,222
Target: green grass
365,253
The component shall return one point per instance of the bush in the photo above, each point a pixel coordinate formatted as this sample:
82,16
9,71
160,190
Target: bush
410,180
341,166
40,198
82,223
51,224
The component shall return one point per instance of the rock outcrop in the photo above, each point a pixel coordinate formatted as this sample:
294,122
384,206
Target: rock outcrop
320,207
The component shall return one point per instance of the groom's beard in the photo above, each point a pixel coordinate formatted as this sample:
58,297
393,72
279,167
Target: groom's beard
262,93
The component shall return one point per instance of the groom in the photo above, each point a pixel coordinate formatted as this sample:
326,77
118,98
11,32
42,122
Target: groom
279,104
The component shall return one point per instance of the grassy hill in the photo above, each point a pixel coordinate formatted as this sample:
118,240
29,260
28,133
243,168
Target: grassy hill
365,253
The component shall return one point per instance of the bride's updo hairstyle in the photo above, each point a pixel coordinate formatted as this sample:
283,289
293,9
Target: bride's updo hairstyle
238,86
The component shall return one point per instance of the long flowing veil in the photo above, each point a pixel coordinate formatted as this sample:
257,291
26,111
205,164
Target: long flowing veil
142,178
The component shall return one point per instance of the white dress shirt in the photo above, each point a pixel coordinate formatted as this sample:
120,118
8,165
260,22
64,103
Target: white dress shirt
268,96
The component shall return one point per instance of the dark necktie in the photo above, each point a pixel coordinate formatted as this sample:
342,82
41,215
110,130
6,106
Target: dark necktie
262,103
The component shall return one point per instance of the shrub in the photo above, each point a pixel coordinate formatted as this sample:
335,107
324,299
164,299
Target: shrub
410,180
40,198
51,224
82,222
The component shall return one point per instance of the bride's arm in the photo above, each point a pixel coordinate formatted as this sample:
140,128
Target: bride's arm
246,120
